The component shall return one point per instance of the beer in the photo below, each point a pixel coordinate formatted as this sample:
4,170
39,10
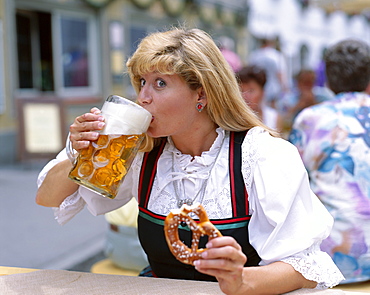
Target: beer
104,163
102,166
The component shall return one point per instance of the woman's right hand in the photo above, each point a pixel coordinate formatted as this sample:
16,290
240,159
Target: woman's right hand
84,127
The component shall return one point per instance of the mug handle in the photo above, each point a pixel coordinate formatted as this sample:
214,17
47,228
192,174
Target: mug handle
71,153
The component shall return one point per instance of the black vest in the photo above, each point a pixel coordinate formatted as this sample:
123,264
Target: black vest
150,225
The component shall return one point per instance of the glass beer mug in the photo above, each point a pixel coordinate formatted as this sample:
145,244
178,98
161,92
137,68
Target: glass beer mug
102,166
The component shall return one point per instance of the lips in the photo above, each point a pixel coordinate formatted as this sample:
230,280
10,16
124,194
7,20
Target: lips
152,119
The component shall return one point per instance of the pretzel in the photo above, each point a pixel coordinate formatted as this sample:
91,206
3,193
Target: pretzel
182,252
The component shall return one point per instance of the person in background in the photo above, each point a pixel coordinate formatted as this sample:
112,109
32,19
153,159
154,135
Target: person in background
205,145
273,62
303,95
227,48
252,80
333,139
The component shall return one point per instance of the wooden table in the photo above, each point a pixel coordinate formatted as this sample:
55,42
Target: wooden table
25,281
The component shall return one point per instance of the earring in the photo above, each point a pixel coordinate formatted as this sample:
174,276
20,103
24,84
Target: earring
199,107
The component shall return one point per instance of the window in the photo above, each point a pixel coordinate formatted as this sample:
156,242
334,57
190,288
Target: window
74,52
56,53
24,51
136,34
35,66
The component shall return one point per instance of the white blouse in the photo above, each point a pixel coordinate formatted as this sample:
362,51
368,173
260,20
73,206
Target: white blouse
288,221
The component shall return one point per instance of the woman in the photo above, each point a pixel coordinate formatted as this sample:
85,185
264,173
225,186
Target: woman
183,80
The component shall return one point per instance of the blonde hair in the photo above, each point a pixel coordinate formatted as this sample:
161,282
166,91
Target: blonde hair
193,55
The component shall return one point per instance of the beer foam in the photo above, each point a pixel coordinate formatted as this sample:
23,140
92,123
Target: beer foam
126,119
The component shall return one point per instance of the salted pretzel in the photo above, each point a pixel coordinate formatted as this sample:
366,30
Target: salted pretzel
182,252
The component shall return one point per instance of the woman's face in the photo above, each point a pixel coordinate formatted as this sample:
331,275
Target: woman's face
171,102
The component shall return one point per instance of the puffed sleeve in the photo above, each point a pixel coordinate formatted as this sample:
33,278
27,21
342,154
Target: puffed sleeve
95,203
288,221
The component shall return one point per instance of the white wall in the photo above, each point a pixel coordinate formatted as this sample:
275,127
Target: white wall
311,27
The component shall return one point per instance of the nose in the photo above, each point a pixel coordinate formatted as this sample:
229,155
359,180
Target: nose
144,96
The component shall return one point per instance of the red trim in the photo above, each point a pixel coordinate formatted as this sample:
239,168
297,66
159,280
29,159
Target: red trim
214,221
151,214
154,172
231,171
142,176
230,220
246,201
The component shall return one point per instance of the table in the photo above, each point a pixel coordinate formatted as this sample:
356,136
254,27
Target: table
23,281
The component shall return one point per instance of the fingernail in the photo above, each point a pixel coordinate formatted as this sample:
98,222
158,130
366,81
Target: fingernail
204,254
95,135
101,125
209,245
100,118
196,262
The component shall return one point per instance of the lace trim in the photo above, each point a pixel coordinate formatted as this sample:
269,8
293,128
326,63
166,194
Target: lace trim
69,208
250,155
322,270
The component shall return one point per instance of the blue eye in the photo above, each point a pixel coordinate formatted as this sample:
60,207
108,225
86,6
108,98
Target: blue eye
142,82
161,83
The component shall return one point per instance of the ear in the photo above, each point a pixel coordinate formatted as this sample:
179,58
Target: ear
202,96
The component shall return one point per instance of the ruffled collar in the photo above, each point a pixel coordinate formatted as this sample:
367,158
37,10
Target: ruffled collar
176,166
206,158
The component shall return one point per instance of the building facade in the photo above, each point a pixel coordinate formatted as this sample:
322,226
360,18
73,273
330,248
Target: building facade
58,58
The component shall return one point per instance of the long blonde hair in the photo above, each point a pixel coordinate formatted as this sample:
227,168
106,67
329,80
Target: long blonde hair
193,55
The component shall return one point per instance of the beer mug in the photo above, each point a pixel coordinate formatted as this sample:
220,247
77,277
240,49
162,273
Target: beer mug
102,166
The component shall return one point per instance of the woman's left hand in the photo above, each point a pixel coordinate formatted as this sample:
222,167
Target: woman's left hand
224,260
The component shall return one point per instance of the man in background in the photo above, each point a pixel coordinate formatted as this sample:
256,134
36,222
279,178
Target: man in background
333,139
273,62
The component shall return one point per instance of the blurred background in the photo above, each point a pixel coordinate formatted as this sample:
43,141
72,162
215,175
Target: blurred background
58,58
